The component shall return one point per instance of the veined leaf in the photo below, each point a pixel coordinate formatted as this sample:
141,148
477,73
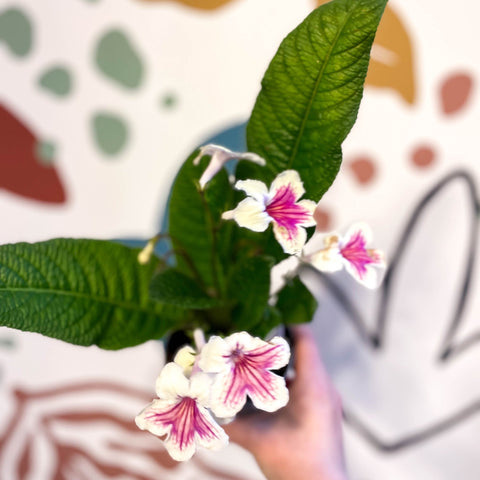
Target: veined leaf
311,93
86,292
174,288
194,221
249,284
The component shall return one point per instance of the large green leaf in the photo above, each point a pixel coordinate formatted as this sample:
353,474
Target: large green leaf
199,236
86,292
311,93
295,303
174,288
249,284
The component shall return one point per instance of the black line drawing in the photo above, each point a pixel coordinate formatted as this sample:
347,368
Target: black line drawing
450,348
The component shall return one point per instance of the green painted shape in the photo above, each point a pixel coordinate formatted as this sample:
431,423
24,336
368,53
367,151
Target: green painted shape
57,80
169,101
16,31
110,133
45,152
117,59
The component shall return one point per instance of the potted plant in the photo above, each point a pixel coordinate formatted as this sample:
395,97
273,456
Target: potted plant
232,217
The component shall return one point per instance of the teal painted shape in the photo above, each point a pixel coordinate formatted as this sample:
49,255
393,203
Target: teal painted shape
110,133
117,59
45,152
57,80
16,31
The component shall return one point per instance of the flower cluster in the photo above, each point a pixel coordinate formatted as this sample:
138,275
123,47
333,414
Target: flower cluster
199,387
202,386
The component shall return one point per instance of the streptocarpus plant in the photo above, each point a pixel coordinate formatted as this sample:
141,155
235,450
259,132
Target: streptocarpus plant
225,236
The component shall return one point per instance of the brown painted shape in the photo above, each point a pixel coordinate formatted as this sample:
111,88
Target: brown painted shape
391,63
200,4
323,219
423,156
68,452
363,169
455,92
21,171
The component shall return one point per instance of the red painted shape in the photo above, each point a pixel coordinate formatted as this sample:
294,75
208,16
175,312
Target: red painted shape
21,171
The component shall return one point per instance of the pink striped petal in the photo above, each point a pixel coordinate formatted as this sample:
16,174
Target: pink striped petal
243,364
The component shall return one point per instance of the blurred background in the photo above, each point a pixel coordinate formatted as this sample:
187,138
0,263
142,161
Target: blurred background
100,103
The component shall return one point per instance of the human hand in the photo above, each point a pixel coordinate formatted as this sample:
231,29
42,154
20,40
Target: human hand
304,439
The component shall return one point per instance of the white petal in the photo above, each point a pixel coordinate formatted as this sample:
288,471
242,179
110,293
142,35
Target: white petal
214,442
288,177
249,214
310,206
327,260
253,157
243,340
277,389
179,454
200,385
144,422
253,188
212,149
363,228
212,355
171,383
291,242
372,277
282,354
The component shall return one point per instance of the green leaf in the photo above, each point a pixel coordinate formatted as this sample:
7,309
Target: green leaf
174,288
311,94
86,292
295,303
249,284
198,234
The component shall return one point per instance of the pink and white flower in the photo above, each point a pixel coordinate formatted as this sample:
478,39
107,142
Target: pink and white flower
242,364
219,156
350,252
278,205
180,413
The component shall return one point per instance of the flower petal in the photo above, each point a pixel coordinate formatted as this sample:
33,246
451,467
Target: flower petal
371,277
309,206
212,356
185,422
327,259
249,214
253,188
291,239
246,371
288,178
171,383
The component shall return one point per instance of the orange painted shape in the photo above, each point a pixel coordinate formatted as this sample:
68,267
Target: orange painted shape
21,171
455,92
200,4
391,63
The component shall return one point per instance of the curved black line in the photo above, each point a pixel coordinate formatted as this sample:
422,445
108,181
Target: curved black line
402,244
449,349
414,438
